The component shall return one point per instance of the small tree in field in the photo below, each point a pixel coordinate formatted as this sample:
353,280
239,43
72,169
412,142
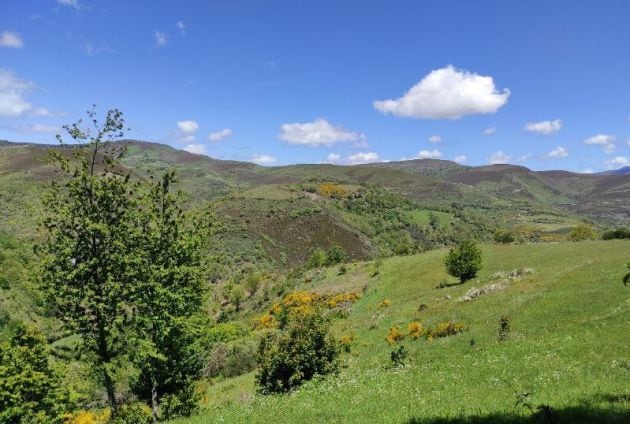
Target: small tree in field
87,270
463,261
582,232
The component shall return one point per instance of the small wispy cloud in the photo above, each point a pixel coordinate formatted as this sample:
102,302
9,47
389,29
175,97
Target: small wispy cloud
490,131
198,149
319,132
363,157
429,154
263,160
33,128
618,161
499,157
558,153
333,158
161,38
460,159
11,40
220,135
435,139
186,131
70,3
606,141
13,93
544,127
181,27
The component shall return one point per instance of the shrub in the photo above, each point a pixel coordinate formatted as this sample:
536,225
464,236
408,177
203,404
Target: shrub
626,278
30,391
445,329
463,261
617,233
231,359
132,413
317,259
398,356
335,255
394,335
582,232
504,328
385,303
88,417
332,190
346,341
504,235
288,358
416,330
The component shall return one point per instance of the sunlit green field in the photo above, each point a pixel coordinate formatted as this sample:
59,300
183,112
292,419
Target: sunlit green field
568,347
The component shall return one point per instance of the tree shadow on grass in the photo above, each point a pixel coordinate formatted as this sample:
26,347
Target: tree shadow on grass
581,414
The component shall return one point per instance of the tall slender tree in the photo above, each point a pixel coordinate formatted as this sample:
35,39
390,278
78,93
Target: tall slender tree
87,271
167,298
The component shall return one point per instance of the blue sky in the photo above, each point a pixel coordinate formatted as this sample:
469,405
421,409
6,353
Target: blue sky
539,83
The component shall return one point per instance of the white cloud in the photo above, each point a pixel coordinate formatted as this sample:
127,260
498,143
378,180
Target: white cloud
70,3
523,158
558,153
11,39
489,131
544,127
263,159
181,27
361,157
498,158
34,128
460,159
94,50
220,135
586,171
161,38
435,139
429,154
188,126
447,93
619,161
333,158
317,133
187,129
12,97
605,140
198,149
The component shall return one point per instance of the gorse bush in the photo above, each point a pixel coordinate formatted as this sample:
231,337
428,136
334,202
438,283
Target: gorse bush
504,235
463,261
445,329
296,354
394,335
617,233
332,190
582,232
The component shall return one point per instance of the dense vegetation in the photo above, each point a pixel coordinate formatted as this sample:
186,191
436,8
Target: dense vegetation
133,302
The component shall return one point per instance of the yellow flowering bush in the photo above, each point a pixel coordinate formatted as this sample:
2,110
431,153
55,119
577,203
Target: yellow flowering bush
416,330
346,341
445,329
385,303
302,303
395,335
87,417
332,190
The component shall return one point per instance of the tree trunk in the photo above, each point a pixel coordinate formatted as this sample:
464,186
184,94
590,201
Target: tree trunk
154,402
109,387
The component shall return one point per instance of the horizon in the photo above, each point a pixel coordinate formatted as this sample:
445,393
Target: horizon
535,85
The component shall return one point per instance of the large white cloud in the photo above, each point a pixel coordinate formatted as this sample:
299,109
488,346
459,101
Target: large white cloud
12,97
186,131
607,141
544,127
447,93
319,132
220,135
363,157
429,154
558,153
499,157
11,39
263,159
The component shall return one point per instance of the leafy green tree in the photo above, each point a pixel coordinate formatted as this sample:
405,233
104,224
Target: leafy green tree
87,270
167,299
335,255
30,391
298,353
582,232
463,261
317,259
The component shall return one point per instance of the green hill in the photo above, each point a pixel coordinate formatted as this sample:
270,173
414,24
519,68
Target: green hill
566,354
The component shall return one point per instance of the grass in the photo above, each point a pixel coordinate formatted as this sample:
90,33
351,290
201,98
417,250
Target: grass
567,347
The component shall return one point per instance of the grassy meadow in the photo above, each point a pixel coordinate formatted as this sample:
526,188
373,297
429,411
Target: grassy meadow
565,359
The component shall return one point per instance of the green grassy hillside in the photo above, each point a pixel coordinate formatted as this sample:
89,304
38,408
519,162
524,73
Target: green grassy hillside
567,349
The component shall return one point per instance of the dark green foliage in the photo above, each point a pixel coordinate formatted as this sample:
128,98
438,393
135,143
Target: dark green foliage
296,354
335,255
30,391
626,278
231,359
166,299
504,235
132,413
398,356
504,328
617,233
86,267
463,261
320,258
